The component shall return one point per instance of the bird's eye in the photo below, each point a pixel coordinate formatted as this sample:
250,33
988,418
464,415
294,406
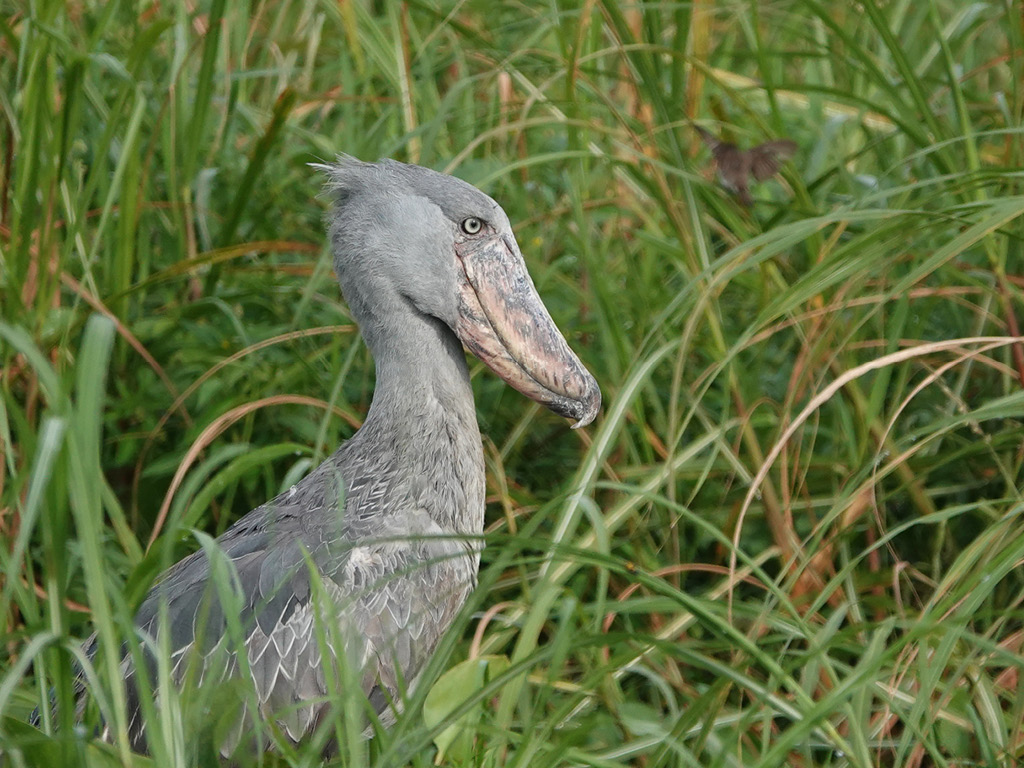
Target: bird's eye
472,225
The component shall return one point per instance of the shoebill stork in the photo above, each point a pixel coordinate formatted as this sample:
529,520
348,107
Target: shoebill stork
381,541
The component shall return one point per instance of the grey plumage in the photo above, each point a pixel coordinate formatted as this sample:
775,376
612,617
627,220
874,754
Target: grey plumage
389,525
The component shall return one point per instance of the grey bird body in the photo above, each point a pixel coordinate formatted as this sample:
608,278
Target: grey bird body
398,558
379,546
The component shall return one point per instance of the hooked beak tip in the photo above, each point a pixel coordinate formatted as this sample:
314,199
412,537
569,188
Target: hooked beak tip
584,421
591,404
582,409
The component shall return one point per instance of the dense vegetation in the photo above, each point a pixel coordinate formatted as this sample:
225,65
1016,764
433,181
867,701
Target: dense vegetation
795,534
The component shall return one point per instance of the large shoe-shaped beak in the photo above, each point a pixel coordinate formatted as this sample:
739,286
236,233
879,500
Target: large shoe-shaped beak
503,322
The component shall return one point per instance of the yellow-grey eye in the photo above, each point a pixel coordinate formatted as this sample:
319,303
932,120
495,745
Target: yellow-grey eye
472,225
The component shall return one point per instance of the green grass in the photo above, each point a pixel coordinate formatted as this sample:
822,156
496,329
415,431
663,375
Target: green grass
794,536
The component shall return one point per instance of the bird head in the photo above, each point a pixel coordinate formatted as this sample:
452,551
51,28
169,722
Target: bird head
445,249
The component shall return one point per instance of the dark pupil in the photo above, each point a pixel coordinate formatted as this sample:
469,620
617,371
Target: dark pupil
471,226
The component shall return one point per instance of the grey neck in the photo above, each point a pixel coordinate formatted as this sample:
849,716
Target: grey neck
421,374
424,416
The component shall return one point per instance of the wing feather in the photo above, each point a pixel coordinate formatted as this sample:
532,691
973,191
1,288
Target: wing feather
389,601
765,159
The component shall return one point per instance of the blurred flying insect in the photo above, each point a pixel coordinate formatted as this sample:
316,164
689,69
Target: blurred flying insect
736,166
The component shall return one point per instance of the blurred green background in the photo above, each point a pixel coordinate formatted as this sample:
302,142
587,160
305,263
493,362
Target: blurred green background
794,535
